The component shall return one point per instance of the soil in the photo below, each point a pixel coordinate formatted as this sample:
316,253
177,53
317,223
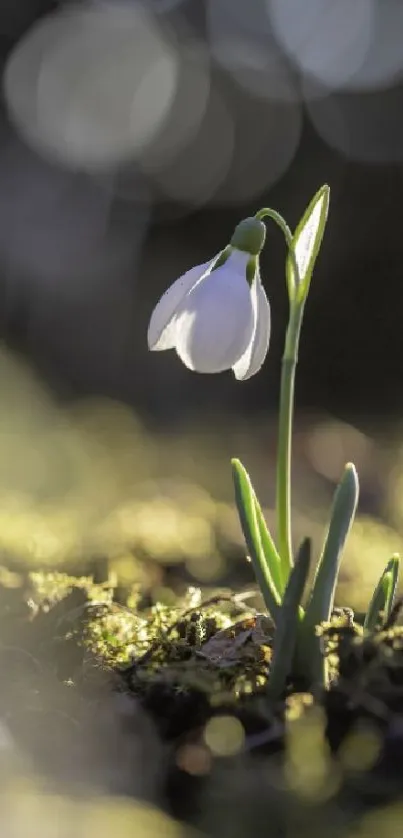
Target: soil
168,704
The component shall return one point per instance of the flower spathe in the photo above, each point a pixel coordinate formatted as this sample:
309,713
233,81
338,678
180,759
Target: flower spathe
216,318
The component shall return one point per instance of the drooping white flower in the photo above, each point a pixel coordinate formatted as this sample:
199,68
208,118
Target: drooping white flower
216,318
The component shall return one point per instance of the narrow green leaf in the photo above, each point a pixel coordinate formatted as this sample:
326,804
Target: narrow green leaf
306,243
245,500
269,549
380,607
376,609
320,604
288,621
394,569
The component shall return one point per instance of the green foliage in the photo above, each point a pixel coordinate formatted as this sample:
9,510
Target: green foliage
290,615
263,553
306,243
296,647
381,605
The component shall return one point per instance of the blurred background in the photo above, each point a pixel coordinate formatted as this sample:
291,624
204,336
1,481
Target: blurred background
133,137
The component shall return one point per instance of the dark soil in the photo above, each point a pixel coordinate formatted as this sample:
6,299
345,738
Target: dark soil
168,705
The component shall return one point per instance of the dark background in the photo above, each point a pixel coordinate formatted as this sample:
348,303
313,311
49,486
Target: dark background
85,254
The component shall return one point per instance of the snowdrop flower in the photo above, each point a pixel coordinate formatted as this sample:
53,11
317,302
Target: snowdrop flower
217,316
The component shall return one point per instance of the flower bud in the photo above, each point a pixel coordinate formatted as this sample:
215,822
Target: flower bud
249,235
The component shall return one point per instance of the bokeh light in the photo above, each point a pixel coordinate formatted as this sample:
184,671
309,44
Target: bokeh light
383,63
242,42
361,749
107,87
365,127
197,170
73,249
195,759
224,735
327,39
316,778
91,85
24,805
331,444
187,108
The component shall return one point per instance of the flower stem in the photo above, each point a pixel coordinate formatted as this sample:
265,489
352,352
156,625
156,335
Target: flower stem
288,369
266,212
289,363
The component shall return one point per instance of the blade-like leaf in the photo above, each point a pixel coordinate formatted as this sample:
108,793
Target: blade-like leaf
269,549
376,609
320,604
306,242
288,621
381,604
262,565
394,569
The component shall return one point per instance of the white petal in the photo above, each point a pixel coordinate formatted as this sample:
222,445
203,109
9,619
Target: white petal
237,262
255,354
162,326
214,325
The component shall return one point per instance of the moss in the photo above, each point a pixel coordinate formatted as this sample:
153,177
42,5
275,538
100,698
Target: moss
196,658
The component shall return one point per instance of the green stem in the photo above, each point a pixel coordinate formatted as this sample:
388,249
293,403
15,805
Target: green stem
288,369
266,212
289,363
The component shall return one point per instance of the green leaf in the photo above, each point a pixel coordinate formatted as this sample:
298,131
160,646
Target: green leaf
263,564
269,548
306,243
320,604
381,604
394,569
376,609
288,621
